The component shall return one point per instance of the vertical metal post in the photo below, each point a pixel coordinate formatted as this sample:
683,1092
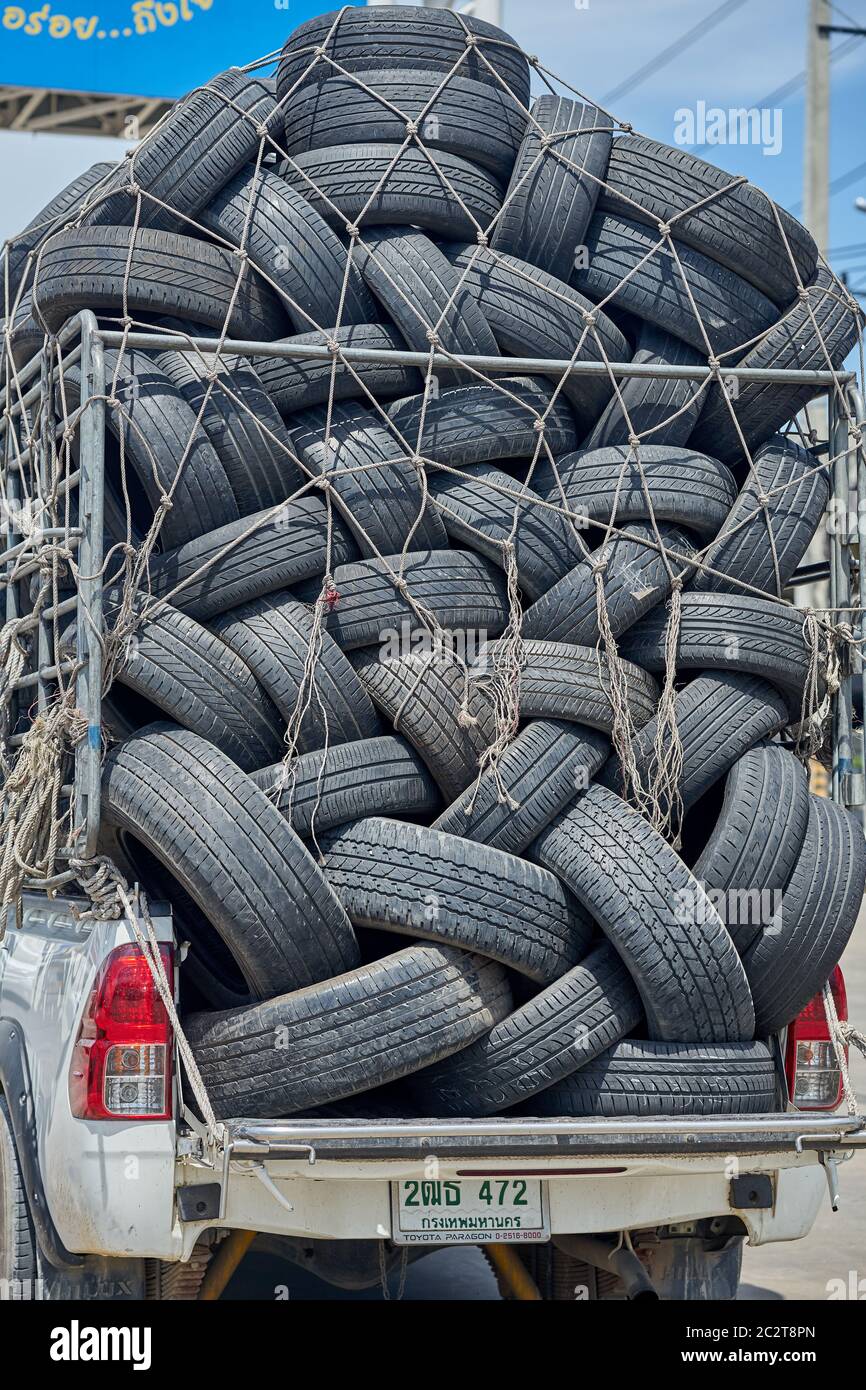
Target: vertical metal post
858,411
89,615
44,657
840,575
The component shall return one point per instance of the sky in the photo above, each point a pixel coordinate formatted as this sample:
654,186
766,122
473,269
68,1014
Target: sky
596,45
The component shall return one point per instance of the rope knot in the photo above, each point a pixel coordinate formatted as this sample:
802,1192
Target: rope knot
353,231
242,254
677,584
482,238
590,317
538,426
133,189
262,131
802,294
763,499
411,128
320,51
664,229
634,441
433,337
626,126
714,364
471,41
165,503
331,596
600,569
333,346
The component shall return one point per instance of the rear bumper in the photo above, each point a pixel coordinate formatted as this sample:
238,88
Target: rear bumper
330,1180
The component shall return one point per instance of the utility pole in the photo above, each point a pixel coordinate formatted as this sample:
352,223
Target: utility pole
816,141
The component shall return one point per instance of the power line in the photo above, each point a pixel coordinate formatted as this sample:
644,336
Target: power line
673,50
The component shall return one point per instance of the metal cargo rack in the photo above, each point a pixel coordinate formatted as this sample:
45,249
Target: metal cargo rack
83,342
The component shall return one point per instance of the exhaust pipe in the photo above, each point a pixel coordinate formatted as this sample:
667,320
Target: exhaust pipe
603,1254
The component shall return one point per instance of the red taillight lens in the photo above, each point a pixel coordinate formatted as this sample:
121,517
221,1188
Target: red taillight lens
811,1065
121,1063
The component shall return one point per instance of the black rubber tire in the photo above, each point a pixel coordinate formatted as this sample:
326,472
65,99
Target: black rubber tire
481,498
685,488
793,343
52,217
393,37
688,973
555,184
371,185
332,787
534,314
560,681
422,696
542,771
250,876
756,840
463,591
301,256
667,1078
242,424
300,383
419,882
720,715
382,506
561,1029
737,229
636,581
91,268
272,635
20,1264
164,447
193,678
655,410
347,1035
202,142
796,489
731,310
480,424
269,551
471,119
722,632
425,295
792,959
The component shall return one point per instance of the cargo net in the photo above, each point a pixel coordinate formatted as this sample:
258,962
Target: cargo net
442,513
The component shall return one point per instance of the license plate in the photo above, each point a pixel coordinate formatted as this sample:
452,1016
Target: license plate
468,1210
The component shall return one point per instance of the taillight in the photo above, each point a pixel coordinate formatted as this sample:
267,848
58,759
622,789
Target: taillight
811,1066
121,1063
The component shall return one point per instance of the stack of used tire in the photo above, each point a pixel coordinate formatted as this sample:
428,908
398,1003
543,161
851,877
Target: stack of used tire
393,923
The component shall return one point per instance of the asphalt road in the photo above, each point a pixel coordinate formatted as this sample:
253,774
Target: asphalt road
835,1248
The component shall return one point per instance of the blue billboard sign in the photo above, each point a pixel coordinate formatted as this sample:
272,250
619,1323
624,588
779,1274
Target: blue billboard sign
150,48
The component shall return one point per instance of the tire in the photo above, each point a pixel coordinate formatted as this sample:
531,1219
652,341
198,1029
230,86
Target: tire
542,771
67,202
272,635
191,154
555,184
720,632
347,1035
534,314
268,552
421,291
418,882
91,268
473,120
682,487
463,591
793,957
653,183
796,490
422,696
396,38
241,423
687,971
210,828
720,715
480,424
635,582
815,335
756,840
372,185
732,311
332,787
383,507
19,1251
563,1028
560,681
478,507
187,675
655,410
293,247
165,448
667,1078
299,383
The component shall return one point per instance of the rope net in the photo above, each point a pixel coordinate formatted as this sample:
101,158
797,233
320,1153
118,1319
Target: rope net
373,452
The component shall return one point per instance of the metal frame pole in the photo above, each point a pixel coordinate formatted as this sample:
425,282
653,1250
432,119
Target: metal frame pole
88,768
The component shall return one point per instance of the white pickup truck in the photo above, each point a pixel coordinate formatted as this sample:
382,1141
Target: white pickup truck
112,1187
